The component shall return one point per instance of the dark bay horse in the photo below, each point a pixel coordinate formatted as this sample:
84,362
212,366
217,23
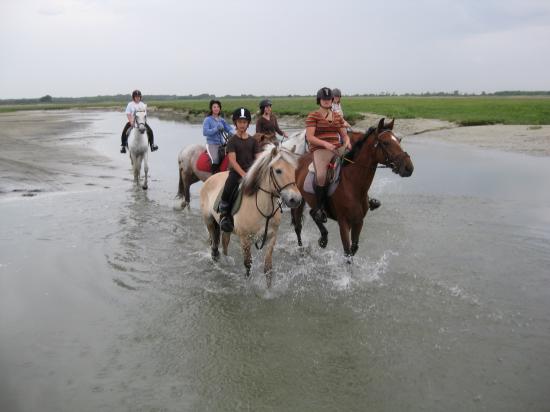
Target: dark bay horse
187,166
350,202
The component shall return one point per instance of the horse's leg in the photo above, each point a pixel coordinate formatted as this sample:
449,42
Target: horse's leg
137,168
247,255
344,235
192,178
214,231
225,241
145,170
323,240
355,232
297,218
268,261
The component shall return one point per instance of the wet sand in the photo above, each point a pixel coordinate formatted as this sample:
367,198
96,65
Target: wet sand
38,150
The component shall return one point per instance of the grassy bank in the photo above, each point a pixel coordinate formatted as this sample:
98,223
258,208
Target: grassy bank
462,110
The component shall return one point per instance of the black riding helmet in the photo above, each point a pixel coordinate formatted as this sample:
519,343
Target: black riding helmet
263,104
336,93
242,113
324,94
136,93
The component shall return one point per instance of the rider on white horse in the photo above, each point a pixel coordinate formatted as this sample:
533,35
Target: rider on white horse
136,105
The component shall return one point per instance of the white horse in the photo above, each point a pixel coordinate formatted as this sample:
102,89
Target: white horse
269,183
296,140
139,147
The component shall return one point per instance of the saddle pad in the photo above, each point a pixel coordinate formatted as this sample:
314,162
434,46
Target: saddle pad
237,200
310,179
203,163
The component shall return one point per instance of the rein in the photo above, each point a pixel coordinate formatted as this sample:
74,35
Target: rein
274,209
389,162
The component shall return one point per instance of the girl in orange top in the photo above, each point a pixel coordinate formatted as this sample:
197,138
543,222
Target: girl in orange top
324,131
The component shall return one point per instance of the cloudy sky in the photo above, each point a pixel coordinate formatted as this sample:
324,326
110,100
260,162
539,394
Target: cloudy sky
272,47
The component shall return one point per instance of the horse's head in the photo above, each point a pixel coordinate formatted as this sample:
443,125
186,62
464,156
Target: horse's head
389,151
140,119
274,172
264,139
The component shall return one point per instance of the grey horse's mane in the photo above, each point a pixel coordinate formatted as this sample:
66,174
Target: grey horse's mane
260,169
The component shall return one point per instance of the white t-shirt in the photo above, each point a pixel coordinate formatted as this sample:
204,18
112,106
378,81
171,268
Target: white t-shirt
336,107
134,107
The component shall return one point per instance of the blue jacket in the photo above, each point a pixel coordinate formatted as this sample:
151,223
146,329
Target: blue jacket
210,130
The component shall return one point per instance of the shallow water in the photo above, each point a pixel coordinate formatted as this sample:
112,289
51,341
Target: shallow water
109,299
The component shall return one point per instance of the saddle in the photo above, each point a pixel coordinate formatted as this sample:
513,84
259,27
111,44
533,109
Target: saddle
333,174
236,200
204,163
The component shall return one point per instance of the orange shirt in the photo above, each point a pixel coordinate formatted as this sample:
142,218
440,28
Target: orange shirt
325,130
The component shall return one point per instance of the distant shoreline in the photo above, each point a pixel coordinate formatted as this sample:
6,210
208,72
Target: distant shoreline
464,111
528,139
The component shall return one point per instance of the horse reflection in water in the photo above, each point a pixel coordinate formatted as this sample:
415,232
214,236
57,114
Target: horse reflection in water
350,202
269,183
188,157
139,148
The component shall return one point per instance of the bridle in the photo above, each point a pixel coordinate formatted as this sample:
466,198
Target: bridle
138,125
391,162
274,209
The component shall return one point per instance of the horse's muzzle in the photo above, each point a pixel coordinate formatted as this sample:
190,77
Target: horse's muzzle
291,198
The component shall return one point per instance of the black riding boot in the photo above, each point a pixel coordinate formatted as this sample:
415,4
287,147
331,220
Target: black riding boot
124,138
226,220
374,203
151,138
318,214
214,168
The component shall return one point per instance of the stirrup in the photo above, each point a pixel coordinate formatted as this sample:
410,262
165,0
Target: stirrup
226,223
318,215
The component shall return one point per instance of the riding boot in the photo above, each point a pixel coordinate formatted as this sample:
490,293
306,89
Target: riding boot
214,168
124,138
151,139
318,214
374,203
226,220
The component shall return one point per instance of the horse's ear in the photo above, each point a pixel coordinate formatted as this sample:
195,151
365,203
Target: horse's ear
381,124
293,150
274,151
390,124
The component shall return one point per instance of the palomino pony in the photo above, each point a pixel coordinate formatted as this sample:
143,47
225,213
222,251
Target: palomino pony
139,147
188,172
350,202
269,183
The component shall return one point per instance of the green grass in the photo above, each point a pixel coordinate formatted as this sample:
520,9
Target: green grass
462,110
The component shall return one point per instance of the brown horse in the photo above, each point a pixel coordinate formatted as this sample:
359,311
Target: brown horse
350,202
187,165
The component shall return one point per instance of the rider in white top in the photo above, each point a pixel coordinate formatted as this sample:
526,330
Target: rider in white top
337,106
136,105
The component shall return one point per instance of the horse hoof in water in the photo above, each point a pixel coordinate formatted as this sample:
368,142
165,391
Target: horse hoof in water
215,255
323,241
144,187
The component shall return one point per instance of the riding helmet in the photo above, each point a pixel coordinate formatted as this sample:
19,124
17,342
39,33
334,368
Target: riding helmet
324,94
336,93
136,93
242,113
264,103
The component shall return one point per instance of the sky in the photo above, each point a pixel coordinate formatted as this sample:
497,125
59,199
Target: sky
72,48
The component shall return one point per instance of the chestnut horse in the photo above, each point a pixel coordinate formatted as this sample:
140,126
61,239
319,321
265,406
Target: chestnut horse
350,202
187,165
